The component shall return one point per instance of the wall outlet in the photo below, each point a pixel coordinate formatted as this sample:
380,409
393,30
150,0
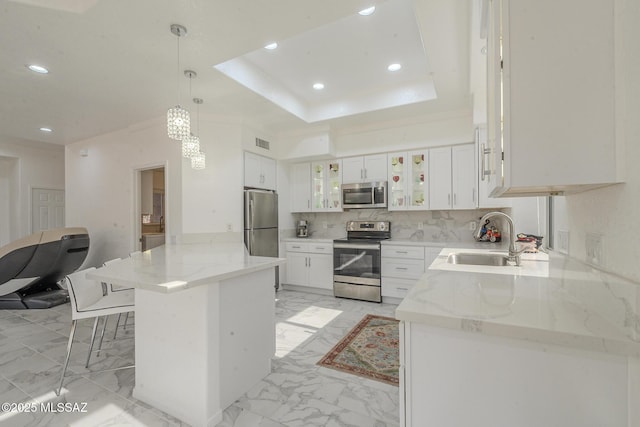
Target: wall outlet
420,225
229,227
324,224
562,242
473,226
594,249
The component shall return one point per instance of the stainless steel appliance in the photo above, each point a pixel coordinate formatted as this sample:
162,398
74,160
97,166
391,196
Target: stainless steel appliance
364,195
261,222
356,260
302,229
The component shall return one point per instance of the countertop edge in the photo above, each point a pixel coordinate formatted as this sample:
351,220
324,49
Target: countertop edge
177,286
566,273
523,333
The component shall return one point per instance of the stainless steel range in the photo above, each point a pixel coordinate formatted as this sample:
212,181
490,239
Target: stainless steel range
357,259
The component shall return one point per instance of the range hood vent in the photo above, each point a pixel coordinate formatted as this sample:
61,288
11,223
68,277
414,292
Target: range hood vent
262,143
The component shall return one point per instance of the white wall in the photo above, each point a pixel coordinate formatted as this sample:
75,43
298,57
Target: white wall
26,165
8,199
101,186
435,130
613,211
101,189
212,197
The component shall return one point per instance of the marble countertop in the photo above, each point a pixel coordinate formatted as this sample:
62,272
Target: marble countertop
571,304
172,268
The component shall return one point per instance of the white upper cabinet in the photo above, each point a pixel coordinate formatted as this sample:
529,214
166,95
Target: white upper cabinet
300,179
452,176
364,168
485,179
408,183
326,178
463,177
440,178
315,187
551,96
259,171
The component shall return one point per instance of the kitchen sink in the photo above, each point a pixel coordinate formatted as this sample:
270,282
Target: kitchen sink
478,259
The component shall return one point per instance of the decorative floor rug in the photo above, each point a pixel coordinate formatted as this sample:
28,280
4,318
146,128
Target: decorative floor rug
370,350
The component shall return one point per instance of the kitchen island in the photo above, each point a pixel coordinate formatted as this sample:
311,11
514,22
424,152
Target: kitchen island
554,342
204,325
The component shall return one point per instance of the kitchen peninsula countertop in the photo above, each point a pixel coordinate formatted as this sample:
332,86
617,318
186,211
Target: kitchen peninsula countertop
574,305
176,267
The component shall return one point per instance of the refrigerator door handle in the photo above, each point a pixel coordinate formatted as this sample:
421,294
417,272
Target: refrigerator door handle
251,214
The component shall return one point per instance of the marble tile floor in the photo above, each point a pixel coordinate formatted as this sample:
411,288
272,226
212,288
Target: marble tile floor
296,393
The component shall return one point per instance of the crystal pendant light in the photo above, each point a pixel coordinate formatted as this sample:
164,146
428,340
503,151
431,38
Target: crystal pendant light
197,156
190,146
191,143
198,161
178,119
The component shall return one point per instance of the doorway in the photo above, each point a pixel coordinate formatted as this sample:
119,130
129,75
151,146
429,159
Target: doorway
47,209
151,213
9,200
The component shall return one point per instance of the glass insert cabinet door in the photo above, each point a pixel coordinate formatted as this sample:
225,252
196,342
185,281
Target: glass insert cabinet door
318,182
408,180
326,178
418,180
334,179
397,185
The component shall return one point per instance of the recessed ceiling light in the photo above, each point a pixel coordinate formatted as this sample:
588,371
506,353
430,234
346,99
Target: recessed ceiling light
394,67
271,46
318,86
38,69
46,129
368,11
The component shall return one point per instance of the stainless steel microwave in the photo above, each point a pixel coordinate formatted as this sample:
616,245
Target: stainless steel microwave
364,195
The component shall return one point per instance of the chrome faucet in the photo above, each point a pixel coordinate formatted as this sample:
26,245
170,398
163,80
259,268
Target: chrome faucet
514,254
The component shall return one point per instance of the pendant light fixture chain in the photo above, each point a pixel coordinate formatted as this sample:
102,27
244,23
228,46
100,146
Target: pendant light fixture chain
178,120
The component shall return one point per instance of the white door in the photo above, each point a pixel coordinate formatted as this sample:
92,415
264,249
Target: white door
352,170
440,177
252,171
47,209
375,167
464,176
297,269
301,187
321,271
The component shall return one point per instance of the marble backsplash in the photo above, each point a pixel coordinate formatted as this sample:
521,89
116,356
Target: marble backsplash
430,226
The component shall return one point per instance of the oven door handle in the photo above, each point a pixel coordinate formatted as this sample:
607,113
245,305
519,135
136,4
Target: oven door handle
356,246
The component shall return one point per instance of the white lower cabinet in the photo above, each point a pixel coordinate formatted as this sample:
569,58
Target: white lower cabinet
310,264
401,267
506,381
430,255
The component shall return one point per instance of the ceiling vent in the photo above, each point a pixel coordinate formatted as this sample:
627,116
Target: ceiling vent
262,143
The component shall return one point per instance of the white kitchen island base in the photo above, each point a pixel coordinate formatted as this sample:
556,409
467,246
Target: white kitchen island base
200,349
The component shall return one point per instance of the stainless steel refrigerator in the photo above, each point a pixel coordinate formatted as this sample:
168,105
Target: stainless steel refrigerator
261,222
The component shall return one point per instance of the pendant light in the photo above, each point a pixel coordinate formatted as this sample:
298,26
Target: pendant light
178,119
197,157
191,143
198,161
